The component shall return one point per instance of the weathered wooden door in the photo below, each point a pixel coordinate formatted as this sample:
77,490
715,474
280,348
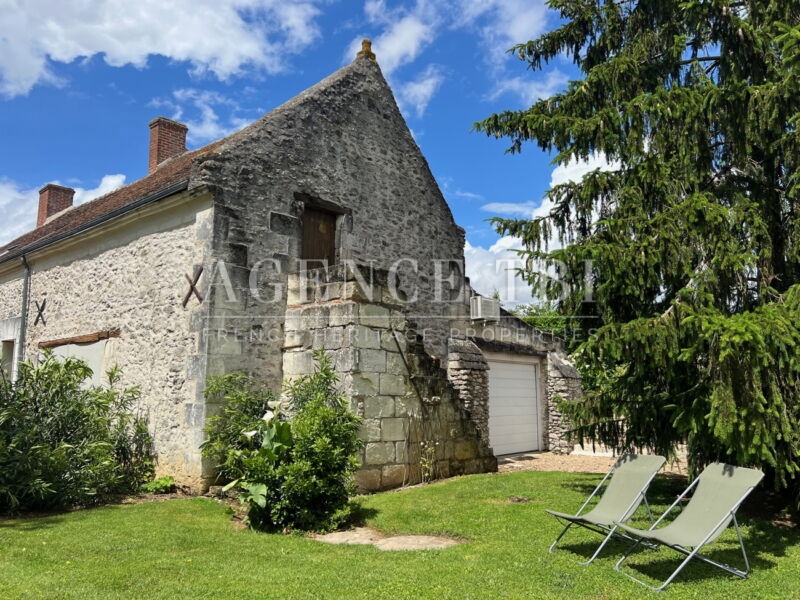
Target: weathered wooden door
319,238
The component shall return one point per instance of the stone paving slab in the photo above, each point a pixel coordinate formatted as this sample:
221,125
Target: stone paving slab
365,535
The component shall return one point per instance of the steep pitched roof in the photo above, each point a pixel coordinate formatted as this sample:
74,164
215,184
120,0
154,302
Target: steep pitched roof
170,177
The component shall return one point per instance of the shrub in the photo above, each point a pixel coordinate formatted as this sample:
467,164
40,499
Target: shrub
293,474
162,485
65,444
244,402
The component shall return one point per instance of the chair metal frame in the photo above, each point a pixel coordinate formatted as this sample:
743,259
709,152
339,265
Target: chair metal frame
688,551
609,531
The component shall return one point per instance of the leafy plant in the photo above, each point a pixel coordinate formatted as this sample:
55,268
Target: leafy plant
544,317
162,485
65,444
292,474
243,405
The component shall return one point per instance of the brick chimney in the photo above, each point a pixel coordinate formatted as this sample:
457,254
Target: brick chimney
167,139
52,200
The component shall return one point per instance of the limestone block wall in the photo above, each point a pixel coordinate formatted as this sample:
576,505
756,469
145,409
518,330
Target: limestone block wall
402,394
563,383
131,278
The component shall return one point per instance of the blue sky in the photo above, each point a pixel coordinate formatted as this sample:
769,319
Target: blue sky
79,82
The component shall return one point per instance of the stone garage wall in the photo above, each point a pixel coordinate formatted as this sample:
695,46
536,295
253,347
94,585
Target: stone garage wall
402,394
563,383
467,370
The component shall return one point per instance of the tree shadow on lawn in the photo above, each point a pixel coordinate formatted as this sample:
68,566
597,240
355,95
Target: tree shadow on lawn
31,522
657,565
662,491
765,538
359,514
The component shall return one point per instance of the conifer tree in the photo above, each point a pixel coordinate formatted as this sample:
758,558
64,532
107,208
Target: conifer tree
692,232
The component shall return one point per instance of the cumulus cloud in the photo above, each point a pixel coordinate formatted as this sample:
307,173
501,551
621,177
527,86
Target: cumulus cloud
503,23
20,205
494,268
417,93
200,111
530,90
403,32
220,37
400,42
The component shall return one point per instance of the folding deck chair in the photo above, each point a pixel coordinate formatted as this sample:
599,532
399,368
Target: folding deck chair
721,489
627,483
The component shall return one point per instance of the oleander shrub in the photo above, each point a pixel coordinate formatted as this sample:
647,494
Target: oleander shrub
64,443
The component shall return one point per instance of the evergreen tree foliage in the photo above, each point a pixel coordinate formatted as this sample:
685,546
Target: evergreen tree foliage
692,231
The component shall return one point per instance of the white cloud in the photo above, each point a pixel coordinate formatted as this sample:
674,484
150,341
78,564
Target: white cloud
493,269
20,205
574,170
510,209
207,105
528,89
108,184
503,23
221,37
418,93
467,195
400,43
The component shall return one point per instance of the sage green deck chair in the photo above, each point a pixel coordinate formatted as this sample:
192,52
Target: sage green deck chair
720,490
624,492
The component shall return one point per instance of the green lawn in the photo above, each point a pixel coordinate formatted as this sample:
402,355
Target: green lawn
189,549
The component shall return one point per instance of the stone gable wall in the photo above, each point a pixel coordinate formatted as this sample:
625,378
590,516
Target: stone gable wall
342,146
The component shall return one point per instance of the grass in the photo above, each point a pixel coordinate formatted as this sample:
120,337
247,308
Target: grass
190,549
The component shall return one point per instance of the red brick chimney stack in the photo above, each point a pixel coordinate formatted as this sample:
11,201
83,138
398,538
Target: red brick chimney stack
167,139
53,199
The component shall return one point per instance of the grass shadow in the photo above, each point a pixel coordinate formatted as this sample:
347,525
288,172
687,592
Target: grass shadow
31,522
360,514
658,565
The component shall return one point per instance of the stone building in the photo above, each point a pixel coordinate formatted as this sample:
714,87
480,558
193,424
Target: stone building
318,226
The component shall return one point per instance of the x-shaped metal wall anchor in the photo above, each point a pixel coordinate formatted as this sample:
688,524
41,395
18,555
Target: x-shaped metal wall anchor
40,312
193,287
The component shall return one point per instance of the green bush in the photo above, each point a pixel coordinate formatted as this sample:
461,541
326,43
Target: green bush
65,444
162,485
293,474
244,402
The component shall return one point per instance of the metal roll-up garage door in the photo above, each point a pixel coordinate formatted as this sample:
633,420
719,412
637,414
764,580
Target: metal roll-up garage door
514,403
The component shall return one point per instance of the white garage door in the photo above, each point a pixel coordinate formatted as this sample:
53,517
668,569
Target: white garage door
513,403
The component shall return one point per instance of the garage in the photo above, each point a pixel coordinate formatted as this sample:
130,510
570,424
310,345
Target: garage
514,402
